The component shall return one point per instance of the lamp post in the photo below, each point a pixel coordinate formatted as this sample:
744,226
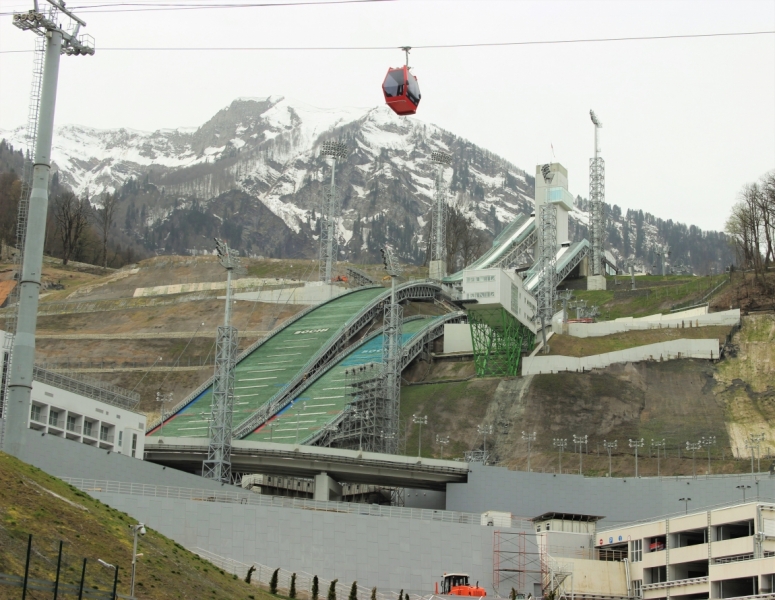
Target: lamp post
560,443
579,440
442,441
298,418
139,528
419,421
686,504
708,442
658,445
529,438
743,487
756,440
693,447
636,444
272,425
162,398
610,446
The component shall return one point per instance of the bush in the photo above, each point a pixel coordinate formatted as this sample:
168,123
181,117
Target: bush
373,593
273,581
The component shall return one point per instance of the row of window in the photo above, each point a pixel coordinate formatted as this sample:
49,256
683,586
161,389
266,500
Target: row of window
70,425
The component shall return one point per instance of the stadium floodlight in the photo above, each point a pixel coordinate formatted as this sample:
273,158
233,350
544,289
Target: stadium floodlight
693,447
560,443
442,441
708,442
636,444
484,430
392,266
529,438
743,487
441,158
610,446
547,173
595,120
419,421
336,150
579,440
658,444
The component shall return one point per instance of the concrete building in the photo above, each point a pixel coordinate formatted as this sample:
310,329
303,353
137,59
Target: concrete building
87,412
724,552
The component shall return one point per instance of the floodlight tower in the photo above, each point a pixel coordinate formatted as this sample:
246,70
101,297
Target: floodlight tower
218,463
32,212
392,342
597,200
329,218
438,262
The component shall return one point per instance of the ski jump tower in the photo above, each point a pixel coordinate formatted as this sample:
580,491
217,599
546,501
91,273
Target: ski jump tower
596,278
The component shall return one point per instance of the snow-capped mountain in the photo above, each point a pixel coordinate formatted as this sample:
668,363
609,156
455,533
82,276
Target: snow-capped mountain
253,173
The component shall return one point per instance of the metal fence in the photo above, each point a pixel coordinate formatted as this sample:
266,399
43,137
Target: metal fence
253,499
86,386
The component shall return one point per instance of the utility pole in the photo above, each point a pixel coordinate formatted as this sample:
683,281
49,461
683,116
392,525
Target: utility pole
560,443
136,529
218,463
658,445
610,446
329,217
58,41
579,440
529,438
392,353
438,259
419,421
636,444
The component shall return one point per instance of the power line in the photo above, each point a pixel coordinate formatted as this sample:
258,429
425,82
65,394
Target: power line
427,47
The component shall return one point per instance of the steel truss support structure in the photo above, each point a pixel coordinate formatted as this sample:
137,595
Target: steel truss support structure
520,253
499,341
438,258
217,466
329,215
597,202
546,290
358,278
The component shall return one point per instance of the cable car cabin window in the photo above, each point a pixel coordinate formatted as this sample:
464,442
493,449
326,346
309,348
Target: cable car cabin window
394,83
413,91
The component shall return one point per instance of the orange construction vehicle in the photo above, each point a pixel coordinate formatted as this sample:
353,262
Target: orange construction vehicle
456,584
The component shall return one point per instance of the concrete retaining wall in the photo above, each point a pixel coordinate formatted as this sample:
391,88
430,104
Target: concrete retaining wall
670,321
708,349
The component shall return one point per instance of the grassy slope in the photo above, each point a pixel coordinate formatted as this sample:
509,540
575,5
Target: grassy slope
93,530
566,345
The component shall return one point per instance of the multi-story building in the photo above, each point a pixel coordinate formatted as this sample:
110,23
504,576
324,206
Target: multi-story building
725,552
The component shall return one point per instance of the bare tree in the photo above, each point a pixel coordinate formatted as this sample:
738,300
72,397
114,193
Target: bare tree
105,217
71,216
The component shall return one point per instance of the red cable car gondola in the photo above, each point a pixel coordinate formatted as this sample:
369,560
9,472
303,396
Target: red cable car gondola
402,92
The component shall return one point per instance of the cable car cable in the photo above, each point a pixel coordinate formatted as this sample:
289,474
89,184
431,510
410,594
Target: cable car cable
428,47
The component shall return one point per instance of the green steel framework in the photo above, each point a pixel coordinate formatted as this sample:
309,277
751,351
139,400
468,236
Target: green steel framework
498,341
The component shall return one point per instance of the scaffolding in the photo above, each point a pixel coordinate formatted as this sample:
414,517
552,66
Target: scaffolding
517,562
499,341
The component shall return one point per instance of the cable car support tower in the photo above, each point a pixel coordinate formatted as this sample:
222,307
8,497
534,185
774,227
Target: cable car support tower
329,219
218,463
438,262
597,201
54,40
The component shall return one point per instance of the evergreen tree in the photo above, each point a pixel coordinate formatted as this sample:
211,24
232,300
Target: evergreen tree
273,581
353,591
292,591
374,593
332,590
315,588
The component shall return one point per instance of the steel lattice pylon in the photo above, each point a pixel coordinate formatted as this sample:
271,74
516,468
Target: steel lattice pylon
329,215
498,342
597,201
392,338
218,463
438,258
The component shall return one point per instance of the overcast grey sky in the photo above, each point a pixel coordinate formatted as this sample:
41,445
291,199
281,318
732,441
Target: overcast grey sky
686,122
